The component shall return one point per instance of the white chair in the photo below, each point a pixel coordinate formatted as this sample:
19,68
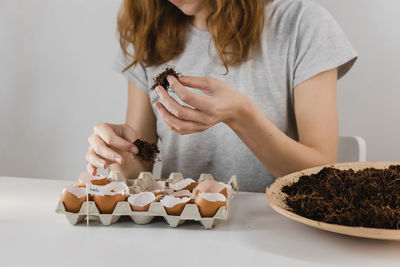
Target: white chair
351,149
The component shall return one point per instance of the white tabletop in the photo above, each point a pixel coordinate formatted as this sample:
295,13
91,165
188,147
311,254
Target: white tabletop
32,234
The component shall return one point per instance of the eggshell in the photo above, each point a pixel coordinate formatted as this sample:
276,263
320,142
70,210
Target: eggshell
115,188
85,178
141,201
185,184
110,195
103,181
156,192
174,205
73,197
106,204
209,203
211,186
182,193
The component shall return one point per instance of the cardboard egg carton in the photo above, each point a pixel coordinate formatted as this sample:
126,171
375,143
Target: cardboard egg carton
145,179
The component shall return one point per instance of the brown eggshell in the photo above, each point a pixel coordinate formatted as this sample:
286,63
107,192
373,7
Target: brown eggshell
106,204
182,194
211,186
176,209
138,207
191,186
208,208
103,181
224,192
71,202
95,180
185,184
156,192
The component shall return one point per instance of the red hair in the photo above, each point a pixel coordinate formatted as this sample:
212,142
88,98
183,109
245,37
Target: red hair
157,29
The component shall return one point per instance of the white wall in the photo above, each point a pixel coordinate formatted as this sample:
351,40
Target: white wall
369,96
56,80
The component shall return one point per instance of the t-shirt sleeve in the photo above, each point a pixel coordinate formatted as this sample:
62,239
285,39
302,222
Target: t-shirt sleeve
136,74
321,45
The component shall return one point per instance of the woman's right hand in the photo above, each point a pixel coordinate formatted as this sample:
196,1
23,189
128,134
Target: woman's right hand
108,142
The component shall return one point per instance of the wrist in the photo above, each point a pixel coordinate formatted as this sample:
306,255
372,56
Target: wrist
242,113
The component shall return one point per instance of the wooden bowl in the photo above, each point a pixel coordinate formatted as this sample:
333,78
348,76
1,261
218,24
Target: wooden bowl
276,198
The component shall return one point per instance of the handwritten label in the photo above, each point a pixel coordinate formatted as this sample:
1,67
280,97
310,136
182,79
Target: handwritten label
94,189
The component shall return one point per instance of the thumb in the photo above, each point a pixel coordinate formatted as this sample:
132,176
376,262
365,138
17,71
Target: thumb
125,136
128,133
201,83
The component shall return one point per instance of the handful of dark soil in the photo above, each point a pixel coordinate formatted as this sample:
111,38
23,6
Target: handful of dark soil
147,151
161,79
365,198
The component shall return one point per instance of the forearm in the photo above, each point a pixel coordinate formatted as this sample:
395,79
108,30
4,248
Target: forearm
140,117
279,153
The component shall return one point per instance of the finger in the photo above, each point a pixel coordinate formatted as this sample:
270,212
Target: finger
195,100
180,126
201,83
91,169
185,131
179,111
95,160
101,149
127,133
110,137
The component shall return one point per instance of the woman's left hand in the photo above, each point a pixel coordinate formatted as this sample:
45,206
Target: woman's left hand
219,102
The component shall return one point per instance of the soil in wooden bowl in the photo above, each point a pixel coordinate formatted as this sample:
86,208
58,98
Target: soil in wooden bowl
364,198
147,151
161,79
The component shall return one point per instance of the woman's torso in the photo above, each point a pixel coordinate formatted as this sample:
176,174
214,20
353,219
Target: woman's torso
267,79
219,150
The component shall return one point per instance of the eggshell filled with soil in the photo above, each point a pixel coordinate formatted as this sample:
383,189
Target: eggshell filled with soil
72,197
86,177
185,184
209,203
141,201
212,187
110,195
174,205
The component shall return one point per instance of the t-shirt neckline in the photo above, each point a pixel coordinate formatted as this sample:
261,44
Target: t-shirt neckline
197,30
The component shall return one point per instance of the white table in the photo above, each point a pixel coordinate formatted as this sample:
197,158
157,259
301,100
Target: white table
32,234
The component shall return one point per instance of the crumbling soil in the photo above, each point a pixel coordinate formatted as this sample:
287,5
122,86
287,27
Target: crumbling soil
147,151
161,79
365,198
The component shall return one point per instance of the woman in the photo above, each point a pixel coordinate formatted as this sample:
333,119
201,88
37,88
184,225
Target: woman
258,95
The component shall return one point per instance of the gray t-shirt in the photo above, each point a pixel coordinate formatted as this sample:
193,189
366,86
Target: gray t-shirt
300,40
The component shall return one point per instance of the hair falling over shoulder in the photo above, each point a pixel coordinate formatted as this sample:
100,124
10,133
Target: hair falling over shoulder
156,29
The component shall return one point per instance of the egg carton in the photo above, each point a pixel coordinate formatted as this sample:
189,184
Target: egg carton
156,209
